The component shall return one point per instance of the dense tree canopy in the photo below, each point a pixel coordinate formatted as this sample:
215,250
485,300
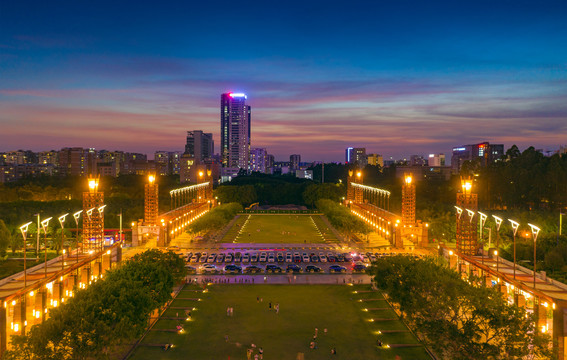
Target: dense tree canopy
110,312
455,319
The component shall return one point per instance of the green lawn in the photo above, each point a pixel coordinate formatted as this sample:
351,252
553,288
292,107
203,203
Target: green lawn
282,336
277,229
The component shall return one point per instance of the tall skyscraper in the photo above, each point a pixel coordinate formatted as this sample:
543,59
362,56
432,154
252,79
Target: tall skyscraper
200,145
235,131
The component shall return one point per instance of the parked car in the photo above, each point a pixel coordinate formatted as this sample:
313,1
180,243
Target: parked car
359,267
232,269
273,268
254,257
211,258
331,257
288,257
203,257
237,257
208,268
280,257
220,258
228,257
337,269
293,268
314,258
271,258
340,258
322,257
305,258
188,256
194,258
246,258
312,268
252,269
190,269
263,257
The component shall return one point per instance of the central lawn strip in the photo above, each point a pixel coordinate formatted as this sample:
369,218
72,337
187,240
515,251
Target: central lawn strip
277,229
283,335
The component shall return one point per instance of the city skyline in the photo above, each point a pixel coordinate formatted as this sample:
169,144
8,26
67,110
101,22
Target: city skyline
320,77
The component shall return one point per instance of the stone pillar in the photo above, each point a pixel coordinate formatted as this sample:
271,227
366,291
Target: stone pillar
85,275
96,267
3,329
106,262
559,318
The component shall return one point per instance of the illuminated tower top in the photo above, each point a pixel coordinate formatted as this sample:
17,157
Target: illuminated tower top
235,130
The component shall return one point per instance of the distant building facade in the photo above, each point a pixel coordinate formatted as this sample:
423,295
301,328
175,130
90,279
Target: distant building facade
436,160
375,160
200,145
356,156
485,153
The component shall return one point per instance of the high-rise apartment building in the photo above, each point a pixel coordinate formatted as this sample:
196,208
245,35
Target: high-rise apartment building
375,159
484,153
258,160
78,161
235,131
294,161
436,160
200,145
356,156
167,162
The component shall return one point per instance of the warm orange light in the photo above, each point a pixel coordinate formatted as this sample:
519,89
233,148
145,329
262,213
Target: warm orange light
358,174
467,185
151,179
200,173
93,184
408,180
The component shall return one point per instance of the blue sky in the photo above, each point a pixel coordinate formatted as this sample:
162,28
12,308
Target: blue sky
398,78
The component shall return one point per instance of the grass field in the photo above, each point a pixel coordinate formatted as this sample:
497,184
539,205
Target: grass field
278,229
282,336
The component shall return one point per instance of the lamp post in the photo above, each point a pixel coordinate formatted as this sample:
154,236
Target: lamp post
44,224
24,230
498,223
62,222
515,226
535,232
483,218
76,216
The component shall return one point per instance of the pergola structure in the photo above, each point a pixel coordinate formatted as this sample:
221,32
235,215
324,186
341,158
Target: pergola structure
188,203
372,204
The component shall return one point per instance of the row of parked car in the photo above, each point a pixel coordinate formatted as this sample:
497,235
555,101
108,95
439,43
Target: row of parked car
273,268
279,257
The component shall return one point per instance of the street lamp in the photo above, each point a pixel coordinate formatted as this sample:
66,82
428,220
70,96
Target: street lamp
24,230
62,221
459,211
515,226
44,224
498,223
483,218
76,216
535,232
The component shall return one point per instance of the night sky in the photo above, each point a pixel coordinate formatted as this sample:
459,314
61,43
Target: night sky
397,77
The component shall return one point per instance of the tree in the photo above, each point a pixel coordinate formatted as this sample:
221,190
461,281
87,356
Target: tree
110,312
5,238
455,318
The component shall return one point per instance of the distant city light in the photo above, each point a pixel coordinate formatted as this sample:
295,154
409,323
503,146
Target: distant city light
237,95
